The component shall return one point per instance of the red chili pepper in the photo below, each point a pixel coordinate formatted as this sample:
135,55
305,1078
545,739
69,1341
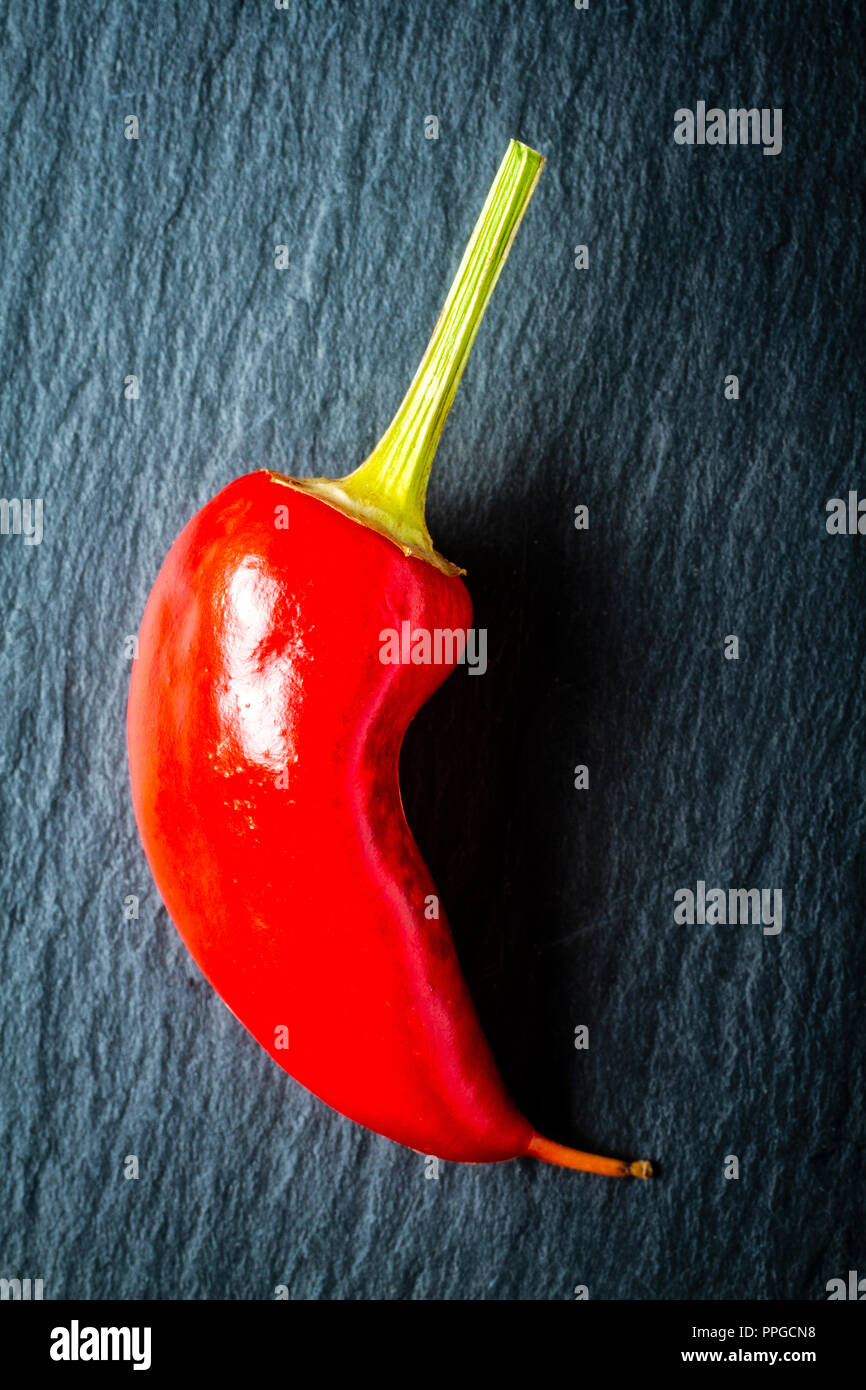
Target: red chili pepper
264,735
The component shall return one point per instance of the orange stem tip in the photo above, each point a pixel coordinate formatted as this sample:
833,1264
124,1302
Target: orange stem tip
549,1152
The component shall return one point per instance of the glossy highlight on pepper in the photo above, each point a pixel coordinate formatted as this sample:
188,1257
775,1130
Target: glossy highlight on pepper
264,735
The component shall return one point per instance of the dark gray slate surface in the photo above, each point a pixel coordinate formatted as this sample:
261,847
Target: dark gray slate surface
605,387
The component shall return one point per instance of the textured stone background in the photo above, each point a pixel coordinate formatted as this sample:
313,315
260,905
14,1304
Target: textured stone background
605,387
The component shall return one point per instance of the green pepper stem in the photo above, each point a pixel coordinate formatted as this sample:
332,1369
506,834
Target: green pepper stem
388,490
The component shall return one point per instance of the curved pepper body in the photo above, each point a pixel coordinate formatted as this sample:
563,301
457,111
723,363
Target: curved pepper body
264,731
264,734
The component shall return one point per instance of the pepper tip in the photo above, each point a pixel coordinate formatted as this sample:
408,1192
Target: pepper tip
642,1168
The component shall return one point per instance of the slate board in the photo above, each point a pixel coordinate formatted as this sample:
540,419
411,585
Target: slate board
155,258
